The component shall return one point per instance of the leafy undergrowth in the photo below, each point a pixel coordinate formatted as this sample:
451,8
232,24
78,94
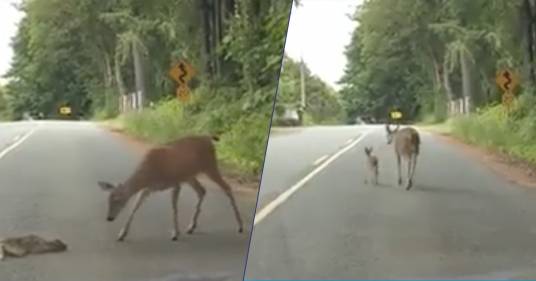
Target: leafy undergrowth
491,128
242,132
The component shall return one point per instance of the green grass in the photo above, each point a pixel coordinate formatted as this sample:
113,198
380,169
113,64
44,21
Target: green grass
513,135
242,132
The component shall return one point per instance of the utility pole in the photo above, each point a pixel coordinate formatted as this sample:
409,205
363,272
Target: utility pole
303,103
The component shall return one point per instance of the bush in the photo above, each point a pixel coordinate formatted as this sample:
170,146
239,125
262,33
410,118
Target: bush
491,128
243,133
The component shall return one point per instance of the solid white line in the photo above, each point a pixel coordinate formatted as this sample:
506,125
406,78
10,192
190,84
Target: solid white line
348,141
261,214
319,160
17,143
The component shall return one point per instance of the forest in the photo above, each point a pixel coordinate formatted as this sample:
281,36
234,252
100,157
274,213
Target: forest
437,61
88,53
322,106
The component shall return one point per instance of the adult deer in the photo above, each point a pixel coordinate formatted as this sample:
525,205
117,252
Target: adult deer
167,167
407,142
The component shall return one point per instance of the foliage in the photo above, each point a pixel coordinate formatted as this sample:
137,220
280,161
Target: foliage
400,50
491,128
87,53
244,135
322,102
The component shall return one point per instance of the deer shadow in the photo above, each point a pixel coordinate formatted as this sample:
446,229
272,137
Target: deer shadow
437,189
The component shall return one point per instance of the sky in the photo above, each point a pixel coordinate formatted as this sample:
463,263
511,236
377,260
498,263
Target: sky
319,30
9,18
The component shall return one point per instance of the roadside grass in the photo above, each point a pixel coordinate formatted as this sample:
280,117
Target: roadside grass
491,128
242,133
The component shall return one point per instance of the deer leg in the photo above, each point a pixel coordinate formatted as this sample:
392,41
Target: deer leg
174,203
200,191
413,164
141,197
408,183
376,176
216,177
398,169
2,253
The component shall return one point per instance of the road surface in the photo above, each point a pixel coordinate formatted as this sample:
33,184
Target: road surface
48,186
292,152
460,220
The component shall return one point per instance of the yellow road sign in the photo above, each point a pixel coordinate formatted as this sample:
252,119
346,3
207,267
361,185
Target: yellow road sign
183,93
182,72
507,80
395,114
65,110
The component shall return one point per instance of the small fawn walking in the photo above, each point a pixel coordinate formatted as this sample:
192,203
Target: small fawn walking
372,166
407,143
166,167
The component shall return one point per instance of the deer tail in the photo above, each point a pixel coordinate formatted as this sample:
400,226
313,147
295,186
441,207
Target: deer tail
416,139
215,138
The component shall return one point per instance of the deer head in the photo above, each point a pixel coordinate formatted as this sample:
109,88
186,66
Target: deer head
390,133
368,150
116,200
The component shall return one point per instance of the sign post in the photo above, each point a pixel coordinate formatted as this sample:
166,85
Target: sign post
507,80
182,73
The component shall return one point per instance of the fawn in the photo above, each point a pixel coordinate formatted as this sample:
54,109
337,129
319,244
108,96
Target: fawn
372,166
29,244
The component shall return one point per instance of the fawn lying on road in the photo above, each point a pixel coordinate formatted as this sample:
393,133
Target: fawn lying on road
169,166
29,244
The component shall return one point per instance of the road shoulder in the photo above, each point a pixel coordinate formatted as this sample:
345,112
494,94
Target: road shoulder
514,170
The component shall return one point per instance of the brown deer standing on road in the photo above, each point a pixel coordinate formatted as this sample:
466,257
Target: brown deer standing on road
166,167
407,143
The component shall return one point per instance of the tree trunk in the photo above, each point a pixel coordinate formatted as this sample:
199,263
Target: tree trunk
205,14
216,11
139,74
446,82
467,82
527,28
119,76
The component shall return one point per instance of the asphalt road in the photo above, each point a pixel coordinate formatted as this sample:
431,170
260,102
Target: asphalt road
48,186
460,220
292,152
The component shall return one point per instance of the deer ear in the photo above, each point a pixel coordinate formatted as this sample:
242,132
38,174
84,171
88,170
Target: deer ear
106,186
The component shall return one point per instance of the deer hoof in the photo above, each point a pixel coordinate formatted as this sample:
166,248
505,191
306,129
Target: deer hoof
174,238
399,181
409,185
240,230
122,235
191,230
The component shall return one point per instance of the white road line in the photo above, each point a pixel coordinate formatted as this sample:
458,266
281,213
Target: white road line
319,160
17,143
270,207
348,141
